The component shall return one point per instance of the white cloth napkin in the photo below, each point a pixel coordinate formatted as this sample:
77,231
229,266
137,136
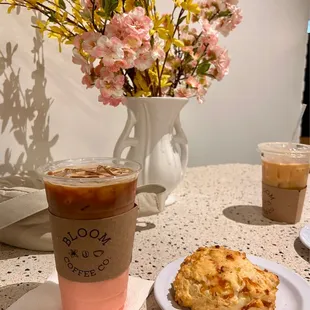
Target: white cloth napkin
47,296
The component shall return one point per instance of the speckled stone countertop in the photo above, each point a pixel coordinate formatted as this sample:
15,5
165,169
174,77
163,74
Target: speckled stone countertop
216,205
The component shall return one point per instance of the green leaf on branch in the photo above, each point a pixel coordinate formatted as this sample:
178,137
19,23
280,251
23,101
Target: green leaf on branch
62,4
224,13
109,7
52,18
101,14
181,20
203,68
138,3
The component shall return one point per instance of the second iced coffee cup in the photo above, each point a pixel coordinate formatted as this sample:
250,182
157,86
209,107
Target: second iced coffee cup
285,170
93,217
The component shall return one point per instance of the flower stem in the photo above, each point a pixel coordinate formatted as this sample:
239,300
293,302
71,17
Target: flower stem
167,53
159,79
93,15
34,7
198,61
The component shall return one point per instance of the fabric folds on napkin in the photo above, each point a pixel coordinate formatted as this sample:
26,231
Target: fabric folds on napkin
47,296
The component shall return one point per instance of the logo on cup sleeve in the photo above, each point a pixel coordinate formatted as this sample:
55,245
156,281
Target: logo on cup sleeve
81,252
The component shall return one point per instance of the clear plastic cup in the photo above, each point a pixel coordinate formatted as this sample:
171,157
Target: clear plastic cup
285,166
90,199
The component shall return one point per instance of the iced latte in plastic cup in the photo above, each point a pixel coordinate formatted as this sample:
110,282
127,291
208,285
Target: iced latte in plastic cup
285,170
93,217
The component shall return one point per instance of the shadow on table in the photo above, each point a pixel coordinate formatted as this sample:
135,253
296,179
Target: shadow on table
141,226
247,214
10,293
301,250
8,252
151,303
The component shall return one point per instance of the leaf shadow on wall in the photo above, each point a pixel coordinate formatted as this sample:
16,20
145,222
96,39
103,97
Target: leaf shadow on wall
25,115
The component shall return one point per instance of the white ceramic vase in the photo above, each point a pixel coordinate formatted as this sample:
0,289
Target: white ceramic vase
158,141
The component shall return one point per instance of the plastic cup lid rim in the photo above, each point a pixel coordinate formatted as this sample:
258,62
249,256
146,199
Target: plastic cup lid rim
283,148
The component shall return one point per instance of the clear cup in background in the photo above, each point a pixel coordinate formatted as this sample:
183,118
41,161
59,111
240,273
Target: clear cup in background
285,170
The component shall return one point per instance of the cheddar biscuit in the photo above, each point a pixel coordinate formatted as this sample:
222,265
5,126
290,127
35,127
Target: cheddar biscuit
217,278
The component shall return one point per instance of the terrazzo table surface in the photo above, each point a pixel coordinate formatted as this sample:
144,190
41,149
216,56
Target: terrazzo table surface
216,205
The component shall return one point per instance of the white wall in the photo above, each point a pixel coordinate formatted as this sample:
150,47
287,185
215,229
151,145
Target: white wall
258,101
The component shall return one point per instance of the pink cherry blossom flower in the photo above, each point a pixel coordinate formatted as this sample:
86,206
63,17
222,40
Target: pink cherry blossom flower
173,63
205,25
192,81
110,84
200,48
118,65
88,81
221,65
187,35
226,24
129,56
158,53
145,47
77,41
199,87
132,41
144,61
136,22
158,50
219,4
78,59
233,2
213,5
109,49
89,41
116,27
214,52
202,88
111,87
126,63
183,92
188,49
211,39
201,92
187,38
110,100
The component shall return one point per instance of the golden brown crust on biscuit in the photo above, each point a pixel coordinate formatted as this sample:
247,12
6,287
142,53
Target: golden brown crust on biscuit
217,278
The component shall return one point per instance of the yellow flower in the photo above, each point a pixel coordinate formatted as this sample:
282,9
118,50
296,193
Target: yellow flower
164,82
42,25
11,7
190,7
178,3
165,28
178,43
141,93
158,26
129,5
140,83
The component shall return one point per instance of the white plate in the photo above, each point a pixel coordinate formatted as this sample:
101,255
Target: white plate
304,236
293,294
